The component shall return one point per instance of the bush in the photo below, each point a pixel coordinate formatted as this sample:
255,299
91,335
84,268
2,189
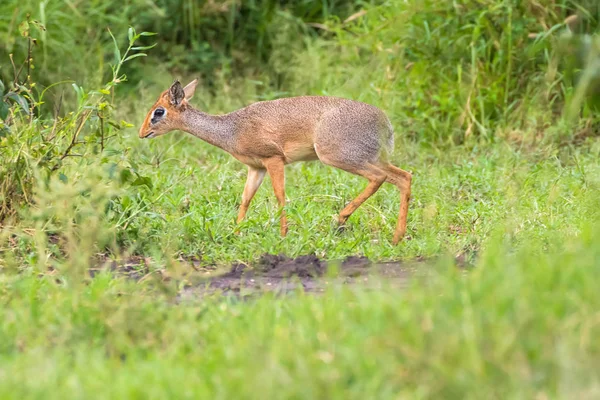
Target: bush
34,147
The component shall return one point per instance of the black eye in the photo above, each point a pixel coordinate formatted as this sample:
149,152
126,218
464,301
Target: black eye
159,112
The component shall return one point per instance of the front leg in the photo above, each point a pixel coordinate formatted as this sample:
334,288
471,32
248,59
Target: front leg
253,182
275,167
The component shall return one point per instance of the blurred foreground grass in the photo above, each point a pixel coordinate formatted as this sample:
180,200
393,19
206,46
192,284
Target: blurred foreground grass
520,325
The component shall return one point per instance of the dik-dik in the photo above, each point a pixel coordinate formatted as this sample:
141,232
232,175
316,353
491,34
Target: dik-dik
267,135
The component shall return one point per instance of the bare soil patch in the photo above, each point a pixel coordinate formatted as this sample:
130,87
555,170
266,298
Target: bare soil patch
274,273
281,274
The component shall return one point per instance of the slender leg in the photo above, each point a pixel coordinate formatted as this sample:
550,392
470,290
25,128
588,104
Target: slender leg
376,178
275,168
253,182
402,179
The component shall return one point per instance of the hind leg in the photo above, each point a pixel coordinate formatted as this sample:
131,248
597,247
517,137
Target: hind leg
376,178
353,142
402,180
373,173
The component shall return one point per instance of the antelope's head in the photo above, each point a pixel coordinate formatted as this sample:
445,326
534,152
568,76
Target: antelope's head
165,115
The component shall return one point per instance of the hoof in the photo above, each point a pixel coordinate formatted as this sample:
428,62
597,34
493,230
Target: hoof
341,229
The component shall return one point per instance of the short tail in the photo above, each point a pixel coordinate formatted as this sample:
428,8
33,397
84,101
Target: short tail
387,140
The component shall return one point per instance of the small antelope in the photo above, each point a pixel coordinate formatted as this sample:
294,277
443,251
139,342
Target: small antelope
350,135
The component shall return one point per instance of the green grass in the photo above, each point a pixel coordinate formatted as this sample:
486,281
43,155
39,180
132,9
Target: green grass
459,196
188,198
499,133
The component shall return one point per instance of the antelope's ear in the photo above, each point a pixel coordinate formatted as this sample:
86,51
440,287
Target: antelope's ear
176,94
190,89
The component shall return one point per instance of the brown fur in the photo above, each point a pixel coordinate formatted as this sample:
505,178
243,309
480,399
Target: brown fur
346,134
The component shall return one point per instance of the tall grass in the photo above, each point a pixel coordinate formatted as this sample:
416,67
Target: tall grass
198,35
451,71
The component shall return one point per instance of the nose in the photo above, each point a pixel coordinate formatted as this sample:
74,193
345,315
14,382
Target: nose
146,134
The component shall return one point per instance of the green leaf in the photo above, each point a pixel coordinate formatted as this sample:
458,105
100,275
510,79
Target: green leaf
1,87
135,56
4,130
147,34
141,181
126,202
20,100
117,52
38,25
125,176
79,91
130,35
63,178
144,47
3,110
24,28
114,125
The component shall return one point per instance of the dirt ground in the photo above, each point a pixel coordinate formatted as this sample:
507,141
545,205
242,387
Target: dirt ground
276,273
280,274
